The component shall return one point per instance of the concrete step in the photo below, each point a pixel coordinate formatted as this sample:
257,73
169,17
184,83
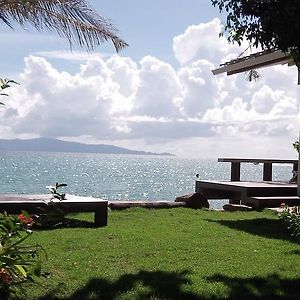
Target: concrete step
272,201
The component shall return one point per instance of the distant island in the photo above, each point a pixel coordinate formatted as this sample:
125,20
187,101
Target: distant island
55,145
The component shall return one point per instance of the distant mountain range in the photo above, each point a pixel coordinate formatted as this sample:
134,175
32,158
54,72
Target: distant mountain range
54,145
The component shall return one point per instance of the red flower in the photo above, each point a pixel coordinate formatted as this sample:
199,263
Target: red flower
25,220
5,277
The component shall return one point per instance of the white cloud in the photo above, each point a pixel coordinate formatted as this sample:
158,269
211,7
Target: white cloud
200,90
157,90
70,55
274,102
203,42
151,105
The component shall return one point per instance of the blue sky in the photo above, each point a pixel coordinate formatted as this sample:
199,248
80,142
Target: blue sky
148,26
156,95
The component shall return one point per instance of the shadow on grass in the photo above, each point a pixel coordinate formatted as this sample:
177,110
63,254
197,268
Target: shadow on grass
296,252
269,228
170,285
142,285
270,287
66,223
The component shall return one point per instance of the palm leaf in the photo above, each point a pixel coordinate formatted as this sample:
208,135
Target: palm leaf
71,19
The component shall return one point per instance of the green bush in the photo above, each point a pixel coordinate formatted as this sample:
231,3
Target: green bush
52,215
19,262
291,218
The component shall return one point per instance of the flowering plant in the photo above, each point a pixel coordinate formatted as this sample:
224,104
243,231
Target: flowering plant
19,263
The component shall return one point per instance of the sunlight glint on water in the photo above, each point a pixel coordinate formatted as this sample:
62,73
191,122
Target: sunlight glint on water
117,177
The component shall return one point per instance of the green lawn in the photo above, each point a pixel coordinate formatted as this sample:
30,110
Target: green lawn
170,254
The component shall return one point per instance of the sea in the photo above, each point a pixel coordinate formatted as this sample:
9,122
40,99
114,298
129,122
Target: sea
118,177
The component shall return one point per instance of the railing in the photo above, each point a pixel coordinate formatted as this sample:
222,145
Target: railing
267,166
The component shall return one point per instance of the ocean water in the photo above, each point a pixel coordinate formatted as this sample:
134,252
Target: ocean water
117,177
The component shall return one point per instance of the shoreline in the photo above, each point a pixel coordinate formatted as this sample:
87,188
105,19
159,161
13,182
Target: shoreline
126,204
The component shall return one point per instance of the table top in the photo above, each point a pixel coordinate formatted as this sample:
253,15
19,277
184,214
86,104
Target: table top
47,198
258,160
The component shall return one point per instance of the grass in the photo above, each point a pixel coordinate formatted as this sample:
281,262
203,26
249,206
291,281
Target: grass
170,254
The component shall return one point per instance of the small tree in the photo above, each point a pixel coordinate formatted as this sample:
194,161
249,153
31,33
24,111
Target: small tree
271,24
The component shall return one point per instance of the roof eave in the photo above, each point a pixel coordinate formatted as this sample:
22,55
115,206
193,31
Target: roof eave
265,60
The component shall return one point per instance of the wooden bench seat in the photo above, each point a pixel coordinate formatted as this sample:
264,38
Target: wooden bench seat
14,204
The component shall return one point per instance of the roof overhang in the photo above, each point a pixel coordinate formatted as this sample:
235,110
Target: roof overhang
254,61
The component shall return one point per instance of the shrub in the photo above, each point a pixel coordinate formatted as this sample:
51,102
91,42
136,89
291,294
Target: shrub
52,215
291,218
49,217
19,263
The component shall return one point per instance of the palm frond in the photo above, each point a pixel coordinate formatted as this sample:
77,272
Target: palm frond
71,19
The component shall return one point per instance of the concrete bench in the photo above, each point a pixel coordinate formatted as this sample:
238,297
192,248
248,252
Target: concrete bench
14,204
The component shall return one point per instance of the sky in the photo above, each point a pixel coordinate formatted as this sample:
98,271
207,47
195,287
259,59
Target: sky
158,94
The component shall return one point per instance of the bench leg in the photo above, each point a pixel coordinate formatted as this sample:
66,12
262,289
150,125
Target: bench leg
101,217
235,199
